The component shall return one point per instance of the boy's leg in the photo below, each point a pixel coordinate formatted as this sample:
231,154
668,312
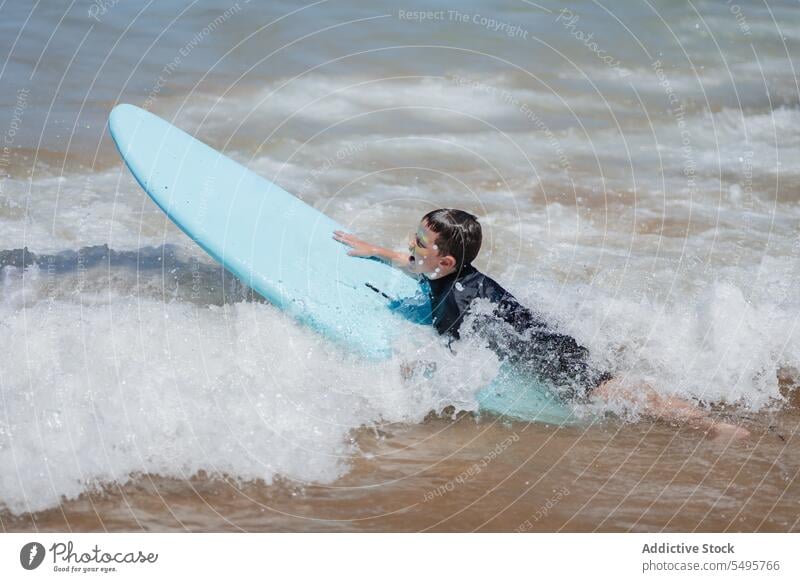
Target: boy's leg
669,408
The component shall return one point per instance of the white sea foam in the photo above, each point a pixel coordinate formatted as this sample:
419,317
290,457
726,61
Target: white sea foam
128,384
724,342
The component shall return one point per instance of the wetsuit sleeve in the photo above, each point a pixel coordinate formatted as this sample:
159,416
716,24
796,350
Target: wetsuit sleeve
556,358
516,315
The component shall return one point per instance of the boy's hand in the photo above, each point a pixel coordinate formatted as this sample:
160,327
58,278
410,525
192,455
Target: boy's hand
360,248
424,368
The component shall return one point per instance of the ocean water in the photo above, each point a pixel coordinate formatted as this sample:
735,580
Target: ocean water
636,170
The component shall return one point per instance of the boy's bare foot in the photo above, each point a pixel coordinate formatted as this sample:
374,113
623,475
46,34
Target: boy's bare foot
723,431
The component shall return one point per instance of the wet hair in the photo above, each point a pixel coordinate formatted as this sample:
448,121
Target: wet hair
458,234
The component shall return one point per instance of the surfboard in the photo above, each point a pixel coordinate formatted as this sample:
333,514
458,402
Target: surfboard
282,247
272,241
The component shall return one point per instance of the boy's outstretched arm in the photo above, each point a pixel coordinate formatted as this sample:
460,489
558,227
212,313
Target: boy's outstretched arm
361,248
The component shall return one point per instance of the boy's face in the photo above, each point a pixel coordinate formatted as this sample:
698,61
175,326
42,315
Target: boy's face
425,258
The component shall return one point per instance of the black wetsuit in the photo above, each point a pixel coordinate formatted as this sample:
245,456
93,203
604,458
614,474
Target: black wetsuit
528,341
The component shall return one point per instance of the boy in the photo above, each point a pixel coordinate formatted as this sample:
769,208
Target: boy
442,250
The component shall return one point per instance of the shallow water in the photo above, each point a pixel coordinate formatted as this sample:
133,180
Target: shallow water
643,199
465,475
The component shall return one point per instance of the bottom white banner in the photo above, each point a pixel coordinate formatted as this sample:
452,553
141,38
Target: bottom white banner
355,557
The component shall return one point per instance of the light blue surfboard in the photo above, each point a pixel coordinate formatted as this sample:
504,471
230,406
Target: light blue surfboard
283,248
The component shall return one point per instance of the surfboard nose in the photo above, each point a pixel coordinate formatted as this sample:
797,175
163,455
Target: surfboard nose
125,109
125,114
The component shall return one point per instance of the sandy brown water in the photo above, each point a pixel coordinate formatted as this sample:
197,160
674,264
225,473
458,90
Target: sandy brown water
484,475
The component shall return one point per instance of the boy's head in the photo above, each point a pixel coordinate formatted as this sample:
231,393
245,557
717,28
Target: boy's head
446,240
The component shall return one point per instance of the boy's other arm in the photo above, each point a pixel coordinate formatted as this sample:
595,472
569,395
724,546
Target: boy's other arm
361,248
